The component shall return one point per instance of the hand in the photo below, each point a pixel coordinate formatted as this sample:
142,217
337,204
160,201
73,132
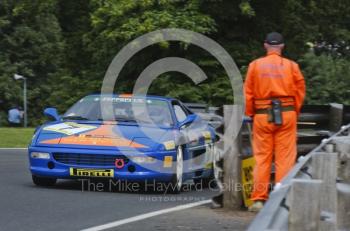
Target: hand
248,119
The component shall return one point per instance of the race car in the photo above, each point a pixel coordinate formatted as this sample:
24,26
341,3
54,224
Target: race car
123,137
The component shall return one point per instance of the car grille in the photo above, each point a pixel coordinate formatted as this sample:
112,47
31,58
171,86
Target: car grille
88,159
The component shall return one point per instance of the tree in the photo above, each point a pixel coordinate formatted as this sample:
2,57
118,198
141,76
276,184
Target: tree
64,47
327,79
32,46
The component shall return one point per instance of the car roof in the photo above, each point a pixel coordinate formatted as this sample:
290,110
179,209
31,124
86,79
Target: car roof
136,96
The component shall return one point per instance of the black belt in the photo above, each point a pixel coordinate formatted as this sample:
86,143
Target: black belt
267,110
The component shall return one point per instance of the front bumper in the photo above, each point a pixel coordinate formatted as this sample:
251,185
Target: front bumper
131,171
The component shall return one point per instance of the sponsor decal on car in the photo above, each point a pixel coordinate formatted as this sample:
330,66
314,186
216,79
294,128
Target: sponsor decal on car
82,172
168,161
169,145
207,136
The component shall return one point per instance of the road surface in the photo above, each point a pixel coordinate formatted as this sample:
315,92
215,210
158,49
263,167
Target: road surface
70,206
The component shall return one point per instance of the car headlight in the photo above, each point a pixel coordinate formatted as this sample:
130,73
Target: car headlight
40,155
142,159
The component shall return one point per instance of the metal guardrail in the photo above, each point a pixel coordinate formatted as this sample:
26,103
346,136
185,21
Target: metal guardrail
318,117
315,122
276,214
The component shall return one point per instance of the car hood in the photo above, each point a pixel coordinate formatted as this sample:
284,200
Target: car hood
102,136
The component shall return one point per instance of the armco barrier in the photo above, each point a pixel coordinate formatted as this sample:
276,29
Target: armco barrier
315,122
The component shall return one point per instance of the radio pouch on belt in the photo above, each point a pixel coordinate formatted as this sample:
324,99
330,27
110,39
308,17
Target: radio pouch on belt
277,111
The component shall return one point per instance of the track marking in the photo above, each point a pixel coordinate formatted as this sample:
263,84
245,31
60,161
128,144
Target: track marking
145,216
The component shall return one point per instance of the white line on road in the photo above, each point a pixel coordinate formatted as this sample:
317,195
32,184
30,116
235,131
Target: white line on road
146,215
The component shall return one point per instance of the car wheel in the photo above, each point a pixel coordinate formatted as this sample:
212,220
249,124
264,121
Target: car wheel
176,183
43,181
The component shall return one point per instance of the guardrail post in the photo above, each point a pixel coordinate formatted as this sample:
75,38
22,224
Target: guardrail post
304,211
343,212
342,146
324,167
336,116
232,198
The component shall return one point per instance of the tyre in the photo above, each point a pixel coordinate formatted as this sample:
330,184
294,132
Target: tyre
176,183
43,181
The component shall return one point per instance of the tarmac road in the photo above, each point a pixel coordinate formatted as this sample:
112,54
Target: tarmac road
69,206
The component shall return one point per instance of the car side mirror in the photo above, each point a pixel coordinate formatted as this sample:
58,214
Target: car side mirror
189,119
52,113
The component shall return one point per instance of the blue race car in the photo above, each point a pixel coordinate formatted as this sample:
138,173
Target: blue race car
132,138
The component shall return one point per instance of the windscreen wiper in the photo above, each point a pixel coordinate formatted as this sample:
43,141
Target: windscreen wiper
125,120
117,119
74,118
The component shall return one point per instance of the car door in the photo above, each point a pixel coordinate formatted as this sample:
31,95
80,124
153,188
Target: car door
195,137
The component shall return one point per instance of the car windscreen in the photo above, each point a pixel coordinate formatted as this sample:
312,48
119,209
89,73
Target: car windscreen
123,109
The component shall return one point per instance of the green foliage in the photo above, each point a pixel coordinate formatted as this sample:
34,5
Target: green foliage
247,9
115,23
327,79
31,45
64,47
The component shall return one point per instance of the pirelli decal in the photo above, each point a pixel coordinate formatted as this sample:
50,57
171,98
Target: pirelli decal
83,172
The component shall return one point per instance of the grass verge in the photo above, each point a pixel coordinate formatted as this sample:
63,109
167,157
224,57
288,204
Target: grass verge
15,137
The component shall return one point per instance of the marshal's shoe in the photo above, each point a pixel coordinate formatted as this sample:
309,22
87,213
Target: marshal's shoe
256,206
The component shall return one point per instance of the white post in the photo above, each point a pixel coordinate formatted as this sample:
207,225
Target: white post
232,198
19,77
25,102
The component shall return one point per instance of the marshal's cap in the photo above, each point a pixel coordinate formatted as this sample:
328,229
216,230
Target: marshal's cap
274,38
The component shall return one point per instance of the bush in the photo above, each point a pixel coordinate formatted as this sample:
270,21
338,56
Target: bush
327,79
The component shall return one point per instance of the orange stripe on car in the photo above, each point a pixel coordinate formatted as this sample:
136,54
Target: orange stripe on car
125,95
102,136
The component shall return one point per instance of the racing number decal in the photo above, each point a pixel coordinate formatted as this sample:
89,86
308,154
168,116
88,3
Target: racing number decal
247,179
69,128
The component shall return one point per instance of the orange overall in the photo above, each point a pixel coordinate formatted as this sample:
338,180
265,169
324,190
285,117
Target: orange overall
273,77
